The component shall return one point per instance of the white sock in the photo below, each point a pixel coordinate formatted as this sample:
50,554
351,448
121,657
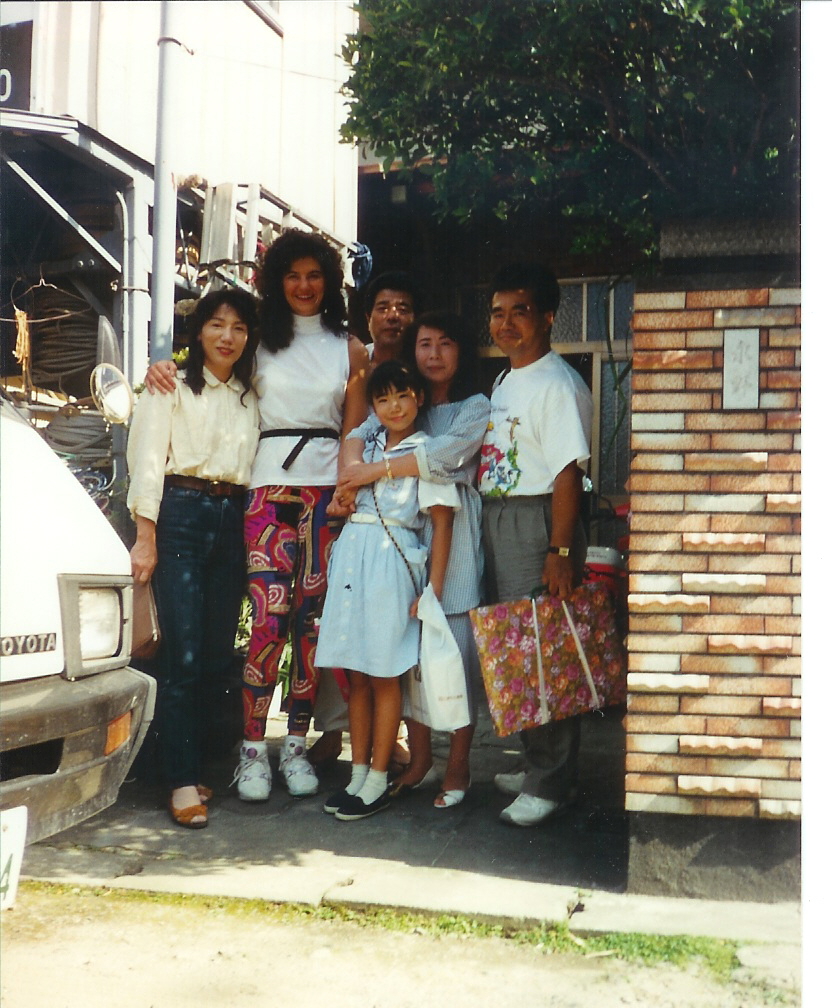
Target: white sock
374,786
359,775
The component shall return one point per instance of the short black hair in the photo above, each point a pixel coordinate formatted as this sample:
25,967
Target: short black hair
393,374
276,319
245,305
530,276
465,382
396,280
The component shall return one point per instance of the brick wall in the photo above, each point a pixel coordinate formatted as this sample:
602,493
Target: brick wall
713,721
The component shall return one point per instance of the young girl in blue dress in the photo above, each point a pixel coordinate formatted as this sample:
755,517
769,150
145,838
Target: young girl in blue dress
377,571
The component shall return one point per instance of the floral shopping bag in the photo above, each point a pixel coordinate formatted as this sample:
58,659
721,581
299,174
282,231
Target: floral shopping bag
544,660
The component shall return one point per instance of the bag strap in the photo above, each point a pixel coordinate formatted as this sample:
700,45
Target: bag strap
595,701
389,533
541,680
545,716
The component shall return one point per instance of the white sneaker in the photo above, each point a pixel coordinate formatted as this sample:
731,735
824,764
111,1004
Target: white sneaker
253,775
297,771
528,810
509,783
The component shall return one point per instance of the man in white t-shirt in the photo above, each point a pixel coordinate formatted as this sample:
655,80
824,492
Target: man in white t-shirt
531,481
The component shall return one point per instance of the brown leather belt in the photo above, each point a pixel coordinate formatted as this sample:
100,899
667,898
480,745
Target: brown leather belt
214,488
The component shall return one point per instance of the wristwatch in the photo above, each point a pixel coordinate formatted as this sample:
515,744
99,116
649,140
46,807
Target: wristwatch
562,551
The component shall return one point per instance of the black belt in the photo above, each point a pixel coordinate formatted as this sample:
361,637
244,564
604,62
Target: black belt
214,488
306,435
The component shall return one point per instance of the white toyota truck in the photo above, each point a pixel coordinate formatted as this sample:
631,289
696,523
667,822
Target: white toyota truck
72,712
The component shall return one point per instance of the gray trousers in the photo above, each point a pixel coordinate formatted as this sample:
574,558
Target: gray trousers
516,532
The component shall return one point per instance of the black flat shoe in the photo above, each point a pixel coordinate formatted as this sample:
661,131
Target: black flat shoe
354,808
334,802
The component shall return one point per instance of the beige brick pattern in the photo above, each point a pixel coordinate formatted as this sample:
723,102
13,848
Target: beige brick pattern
674,321
729,299
790,706
773,809
652,744
655,381
721,705
781,296
655,583
649,681
659,422
656,662
712,583
670,442
716,746
644,763
784,790
670,603
662,301
783,502
713,719
646,704
726,461
741,318
733,542
725,664
749,644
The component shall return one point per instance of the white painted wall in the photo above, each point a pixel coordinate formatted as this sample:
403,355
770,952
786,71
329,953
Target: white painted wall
255,107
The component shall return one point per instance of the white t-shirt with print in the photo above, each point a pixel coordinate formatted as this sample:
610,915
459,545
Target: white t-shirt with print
541,420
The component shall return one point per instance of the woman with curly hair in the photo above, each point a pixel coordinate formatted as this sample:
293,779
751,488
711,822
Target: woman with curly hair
310,381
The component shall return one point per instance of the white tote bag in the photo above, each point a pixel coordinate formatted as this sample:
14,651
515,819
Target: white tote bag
438,694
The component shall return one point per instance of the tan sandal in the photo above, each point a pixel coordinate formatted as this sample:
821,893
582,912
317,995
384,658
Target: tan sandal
205,793
185,816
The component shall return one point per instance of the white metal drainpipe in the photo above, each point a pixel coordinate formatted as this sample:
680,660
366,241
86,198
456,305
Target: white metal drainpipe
164,191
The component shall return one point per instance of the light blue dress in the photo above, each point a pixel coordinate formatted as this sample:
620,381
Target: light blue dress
365,624
451,454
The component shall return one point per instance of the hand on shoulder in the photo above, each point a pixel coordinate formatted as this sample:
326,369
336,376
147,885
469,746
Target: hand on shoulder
161,377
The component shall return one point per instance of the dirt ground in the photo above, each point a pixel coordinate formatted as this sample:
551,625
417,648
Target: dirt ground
79,950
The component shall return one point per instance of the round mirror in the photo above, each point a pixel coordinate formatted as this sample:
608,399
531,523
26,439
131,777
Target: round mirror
111,393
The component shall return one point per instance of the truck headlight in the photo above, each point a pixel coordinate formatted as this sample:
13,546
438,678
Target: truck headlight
95,614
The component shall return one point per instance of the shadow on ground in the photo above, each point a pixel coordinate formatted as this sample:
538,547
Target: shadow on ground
586,847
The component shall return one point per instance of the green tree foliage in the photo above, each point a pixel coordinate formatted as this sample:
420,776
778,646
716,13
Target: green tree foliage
621,111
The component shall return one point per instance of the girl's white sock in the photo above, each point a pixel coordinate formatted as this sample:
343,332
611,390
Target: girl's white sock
374,786
359,775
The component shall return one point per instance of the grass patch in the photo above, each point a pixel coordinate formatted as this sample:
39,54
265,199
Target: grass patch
718,956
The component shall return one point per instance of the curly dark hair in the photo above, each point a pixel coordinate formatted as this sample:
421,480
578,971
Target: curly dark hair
466,381
529,276
276,319
245,305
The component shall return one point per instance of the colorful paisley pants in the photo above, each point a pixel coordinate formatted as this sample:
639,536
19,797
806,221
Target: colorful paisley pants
288,537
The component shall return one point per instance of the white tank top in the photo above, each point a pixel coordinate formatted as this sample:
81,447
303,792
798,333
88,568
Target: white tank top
299,388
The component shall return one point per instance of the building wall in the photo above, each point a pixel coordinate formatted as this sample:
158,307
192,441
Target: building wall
253,106
713,722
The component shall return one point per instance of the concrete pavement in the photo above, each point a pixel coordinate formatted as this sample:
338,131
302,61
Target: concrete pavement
413,856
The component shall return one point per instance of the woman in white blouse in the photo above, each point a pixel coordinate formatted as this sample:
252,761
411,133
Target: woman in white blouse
190,456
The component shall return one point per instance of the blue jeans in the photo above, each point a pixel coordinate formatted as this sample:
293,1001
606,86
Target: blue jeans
199,582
